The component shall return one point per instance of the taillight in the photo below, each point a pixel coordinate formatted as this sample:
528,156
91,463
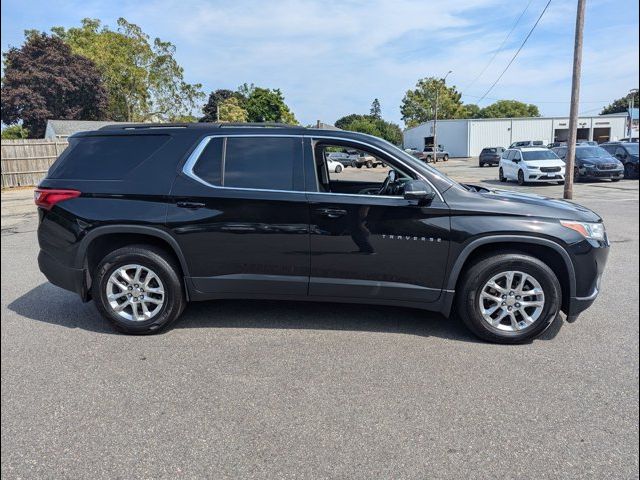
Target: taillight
47,198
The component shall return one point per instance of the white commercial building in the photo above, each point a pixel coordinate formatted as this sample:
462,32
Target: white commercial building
467,137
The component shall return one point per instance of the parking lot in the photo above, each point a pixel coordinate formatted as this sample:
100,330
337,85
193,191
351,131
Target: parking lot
257,389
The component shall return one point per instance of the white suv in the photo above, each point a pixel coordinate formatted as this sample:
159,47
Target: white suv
531,164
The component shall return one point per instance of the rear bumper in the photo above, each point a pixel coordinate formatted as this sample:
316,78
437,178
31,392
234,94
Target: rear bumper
63,276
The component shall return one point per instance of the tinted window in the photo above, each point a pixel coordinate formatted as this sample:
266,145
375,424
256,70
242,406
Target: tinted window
105,157
539,155
632,148
261,162
489,150
620,152
209,165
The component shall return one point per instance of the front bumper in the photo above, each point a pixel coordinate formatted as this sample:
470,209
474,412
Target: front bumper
545,177
595,173
63,276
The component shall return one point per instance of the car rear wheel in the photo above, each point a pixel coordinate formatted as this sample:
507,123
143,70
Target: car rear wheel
501,175
429,159
369,164
359,165
481,164
521,180
138,289
445,158
576,174
509,298
338,168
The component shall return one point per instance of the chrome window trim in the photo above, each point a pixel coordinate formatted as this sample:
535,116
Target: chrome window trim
193,158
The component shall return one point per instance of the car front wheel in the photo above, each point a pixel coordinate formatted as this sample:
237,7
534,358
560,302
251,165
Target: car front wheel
521,180
445,158
138,289
338,168
501,175
509,298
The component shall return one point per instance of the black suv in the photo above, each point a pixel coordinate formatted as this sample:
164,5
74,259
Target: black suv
627,153
143,218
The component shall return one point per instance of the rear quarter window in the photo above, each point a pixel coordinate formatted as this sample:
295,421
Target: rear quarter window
108,157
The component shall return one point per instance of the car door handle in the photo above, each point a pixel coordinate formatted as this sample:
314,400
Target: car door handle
331,212
191,205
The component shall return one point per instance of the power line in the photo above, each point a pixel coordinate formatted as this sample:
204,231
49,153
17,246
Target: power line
534,101
517,52
499,50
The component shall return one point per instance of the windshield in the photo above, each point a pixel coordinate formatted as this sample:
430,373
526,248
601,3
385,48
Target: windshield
591,152
632,148
538,155
411,160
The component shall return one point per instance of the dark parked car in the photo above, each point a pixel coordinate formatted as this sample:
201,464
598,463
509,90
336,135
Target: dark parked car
593,163
627,153
142,219
490,156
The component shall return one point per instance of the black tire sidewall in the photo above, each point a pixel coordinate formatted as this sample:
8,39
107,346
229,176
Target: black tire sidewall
480,273
153,260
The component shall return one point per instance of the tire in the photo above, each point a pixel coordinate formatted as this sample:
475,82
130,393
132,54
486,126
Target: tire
375,165
474,282
369,164
338,168
168,279
481,164
501,176
615,180
429,159
576,174
359,165
628,171
521,180
445,158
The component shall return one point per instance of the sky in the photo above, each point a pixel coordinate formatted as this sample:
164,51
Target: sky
332,58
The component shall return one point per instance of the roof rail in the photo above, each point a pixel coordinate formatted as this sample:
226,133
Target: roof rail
139,126
258,125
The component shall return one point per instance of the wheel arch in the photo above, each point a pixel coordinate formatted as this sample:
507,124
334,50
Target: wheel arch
127,235
542,248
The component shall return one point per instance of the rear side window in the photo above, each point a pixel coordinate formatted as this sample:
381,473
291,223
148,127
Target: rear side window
261,162
209,165
105,157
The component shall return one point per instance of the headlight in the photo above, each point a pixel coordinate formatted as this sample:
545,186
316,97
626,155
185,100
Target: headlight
594,231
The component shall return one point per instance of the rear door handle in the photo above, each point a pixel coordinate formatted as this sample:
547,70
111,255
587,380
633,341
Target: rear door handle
191,205
331,212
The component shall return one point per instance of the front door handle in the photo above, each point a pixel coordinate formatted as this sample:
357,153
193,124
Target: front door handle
331,212
191,205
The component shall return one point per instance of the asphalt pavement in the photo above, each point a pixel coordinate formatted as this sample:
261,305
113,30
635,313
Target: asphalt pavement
258,389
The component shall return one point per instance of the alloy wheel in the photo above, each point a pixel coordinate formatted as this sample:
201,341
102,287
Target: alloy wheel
511,301
135,293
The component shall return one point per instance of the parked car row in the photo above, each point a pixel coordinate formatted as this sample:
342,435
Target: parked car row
354,159
531,162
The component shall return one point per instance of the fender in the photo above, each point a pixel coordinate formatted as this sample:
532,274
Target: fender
459,263
140,229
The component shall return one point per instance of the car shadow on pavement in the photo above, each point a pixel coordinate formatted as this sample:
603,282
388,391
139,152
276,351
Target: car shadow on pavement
49,304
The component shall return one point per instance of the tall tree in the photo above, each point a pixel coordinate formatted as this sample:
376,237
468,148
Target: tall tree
372,126
216,98
418,105
142,77
266,105
621,105
509,109
43,79
376,110
231,111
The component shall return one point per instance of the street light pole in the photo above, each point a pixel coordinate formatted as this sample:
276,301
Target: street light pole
435,119
575,101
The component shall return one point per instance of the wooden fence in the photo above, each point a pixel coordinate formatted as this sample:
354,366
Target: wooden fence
25,162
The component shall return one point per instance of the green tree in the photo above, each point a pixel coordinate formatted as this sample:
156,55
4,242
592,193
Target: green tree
472,111
372,126
232,111
43,79
266,105
376,110
418,105
509,109
15,132
143,79
620,105
216,98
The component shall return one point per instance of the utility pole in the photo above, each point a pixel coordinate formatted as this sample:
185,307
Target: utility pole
632,94
575,101
435,119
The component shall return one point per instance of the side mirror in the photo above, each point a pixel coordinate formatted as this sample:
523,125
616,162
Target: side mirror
418,190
